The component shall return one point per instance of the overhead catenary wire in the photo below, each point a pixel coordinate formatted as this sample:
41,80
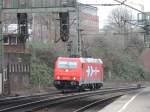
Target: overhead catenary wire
123,3
102,4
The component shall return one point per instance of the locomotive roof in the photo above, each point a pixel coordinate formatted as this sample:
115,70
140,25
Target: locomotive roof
83,60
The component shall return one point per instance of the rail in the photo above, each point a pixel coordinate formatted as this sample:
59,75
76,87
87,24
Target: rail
40,104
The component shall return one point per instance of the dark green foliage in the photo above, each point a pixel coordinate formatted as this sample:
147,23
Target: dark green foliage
119,64
43,57
41,74
125,68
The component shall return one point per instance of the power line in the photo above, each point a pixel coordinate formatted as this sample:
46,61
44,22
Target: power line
123,3
103,4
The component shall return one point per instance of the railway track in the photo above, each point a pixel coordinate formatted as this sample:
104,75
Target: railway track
7,100
45,102
14,101
99,101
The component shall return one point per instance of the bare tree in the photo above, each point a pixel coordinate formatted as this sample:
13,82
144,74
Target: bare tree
119,19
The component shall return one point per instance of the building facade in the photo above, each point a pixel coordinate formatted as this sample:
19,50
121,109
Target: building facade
46,27
17,65
89,20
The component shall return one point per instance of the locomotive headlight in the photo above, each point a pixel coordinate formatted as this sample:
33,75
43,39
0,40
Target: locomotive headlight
74,78
66,70
58,77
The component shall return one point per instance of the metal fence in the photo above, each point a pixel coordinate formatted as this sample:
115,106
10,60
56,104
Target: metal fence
14,4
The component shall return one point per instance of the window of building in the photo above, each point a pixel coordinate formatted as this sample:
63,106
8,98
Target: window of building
5,74
6,40
25,69
10,68
13,40
22,68
148,17
28,68
17,68
13,68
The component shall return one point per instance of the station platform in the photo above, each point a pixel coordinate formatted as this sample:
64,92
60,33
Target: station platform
138,101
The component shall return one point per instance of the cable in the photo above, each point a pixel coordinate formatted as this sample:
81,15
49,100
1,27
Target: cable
123,3
101,4
129,6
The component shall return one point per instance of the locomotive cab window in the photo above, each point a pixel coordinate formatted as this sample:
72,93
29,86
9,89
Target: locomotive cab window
66,64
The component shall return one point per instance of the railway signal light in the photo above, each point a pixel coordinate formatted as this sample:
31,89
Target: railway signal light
22,26
64,26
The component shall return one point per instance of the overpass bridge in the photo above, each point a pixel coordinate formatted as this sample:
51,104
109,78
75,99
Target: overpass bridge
37,6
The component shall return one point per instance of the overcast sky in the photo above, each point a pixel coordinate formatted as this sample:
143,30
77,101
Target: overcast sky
147,5
104,11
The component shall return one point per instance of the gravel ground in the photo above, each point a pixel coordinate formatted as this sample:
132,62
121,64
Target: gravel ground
33,91
36,90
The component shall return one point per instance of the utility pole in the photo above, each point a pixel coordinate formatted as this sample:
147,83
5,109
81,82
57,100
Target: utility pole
77,41
1,46
1,51
76,45
78,30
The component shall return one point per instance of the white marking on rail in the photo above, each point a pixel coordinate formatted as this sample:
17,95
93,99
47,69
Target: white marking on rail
125,106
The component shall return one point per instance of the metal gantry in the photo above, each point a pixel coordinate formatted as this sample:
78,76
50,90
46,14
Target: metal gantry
37,6
143,21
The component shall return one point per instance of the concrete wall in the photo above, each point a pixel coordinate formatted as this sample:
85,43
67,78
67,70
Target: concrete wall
18,71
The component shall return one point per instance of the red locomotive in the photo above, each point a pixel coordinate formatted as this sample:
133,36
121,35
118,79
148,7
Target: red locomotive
78,73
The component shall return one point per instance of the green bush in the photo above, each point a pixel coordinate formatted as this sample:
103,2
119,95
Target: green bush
41,74
124,68
43,56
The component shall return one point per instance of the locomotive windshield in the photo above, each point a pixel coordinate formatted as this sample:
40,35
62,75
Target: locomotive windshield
67,64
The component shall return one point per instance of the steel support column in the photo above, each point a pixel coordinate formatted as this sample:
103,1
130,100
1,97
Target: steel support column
1,49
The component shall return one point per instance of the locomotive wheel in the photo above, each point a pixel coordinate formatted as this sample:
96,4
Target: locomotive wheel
92,87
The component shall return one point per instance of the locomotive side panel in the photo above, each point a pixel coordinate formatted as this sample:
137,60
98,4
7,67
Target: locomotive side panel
92,73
